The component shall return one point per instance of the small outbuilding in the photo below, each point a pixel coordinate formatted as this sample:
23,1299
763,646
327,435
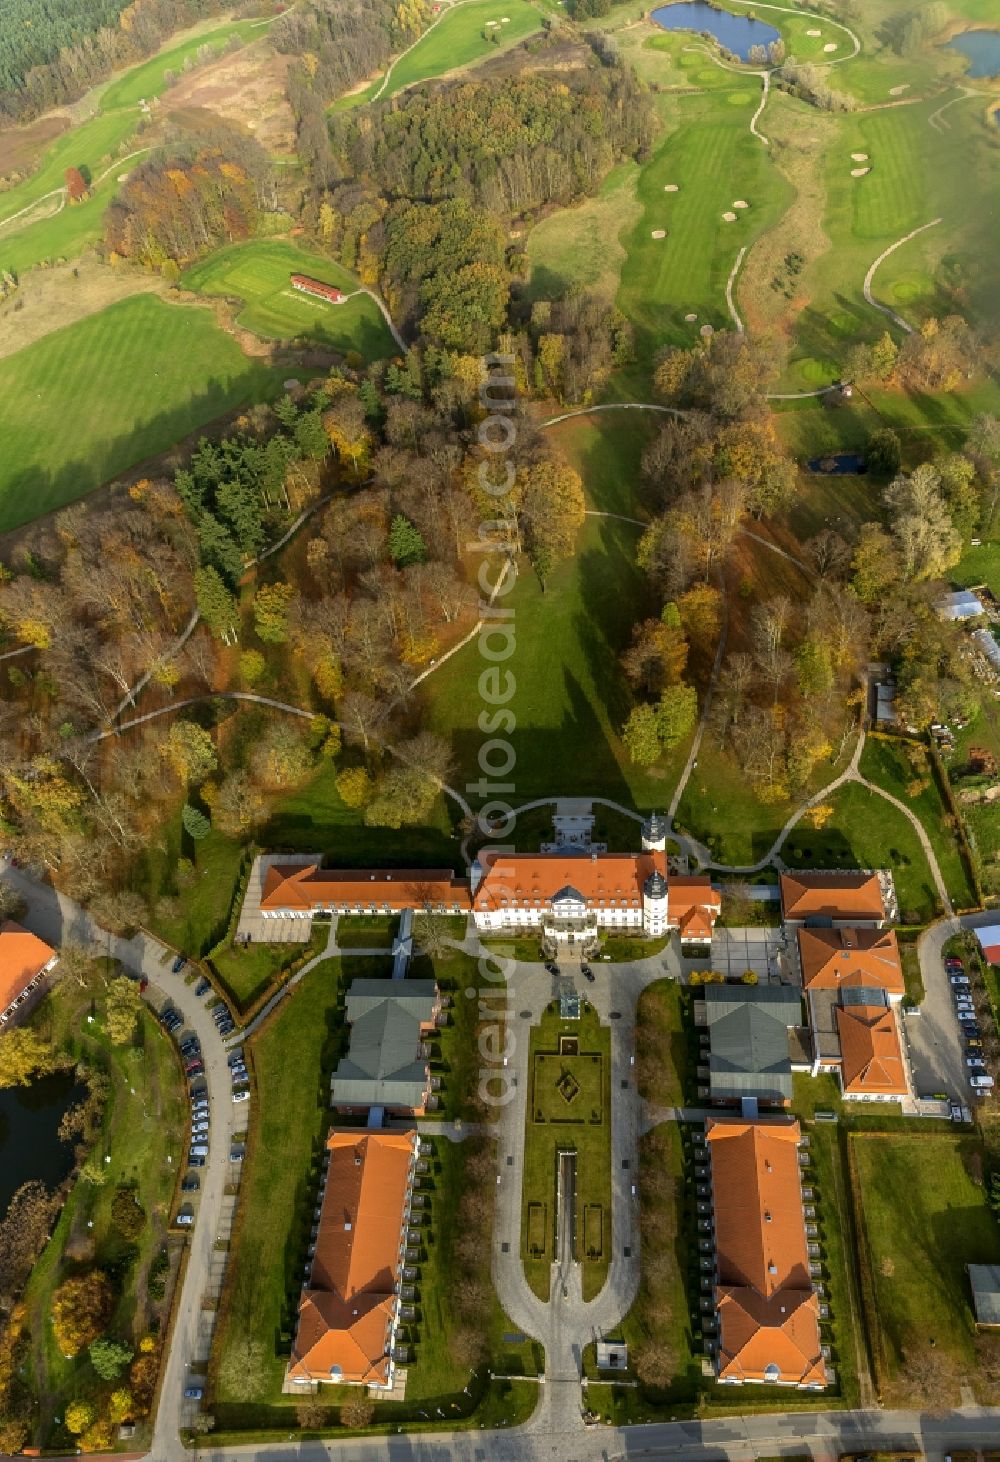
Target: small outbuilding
612,1355
985,1282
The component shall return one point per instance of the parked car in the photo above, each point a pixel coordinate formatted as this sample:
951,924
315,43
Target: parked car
979,1082
190,1048
195,1068
236,1152
959,981
227,1029
235,1056
553,969
184,1220
587,973
238,1070
200,1129
178,964
198,1089
241,1096
191,1184
973,1043
199,1149
197,1155
953,965
975,1063
202,988
193,1393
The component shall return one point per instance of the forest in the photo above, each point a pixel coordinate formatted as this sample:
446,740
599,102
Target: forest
52,51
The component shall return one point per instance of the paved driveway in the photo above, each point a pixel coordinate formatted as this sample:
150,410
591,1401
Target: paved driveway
936,1050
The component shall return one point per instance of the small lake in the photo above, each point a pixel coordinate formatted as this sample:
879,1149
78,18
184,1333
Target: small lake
29,1133
736,32
982,47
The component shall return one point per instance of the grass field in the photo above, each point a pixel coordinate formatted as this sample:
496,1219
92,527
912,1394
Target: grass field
570,700
580,246
925,1217
569,1108
122,386
257,273
884,763
459,39
865,831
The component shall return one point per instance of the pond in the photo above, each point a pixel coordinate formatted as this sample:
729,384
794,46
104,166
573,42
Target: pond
736,32
29,1133
841,464
982,47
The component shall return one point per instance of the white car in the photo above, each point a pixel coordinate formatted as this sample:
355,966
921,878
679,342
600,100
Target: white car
241,1096
184,1219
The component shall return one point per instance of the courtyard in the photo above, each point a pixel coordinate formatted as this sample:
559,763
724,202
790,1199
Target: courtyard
568,1131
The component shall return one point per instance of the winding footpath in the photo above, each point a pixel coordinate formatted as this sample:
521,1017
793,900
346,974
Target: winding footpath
733,312
870,276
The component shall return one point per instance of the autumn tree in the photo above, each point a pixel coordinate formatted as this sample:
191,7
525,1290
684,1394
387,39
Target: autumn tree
79,1416
921,524
676,713
190,751
701,615
357,1413
656,657
81,1308
270,612
24,1231
641,735
552,510
121,1008
24,1054
76,185
238,805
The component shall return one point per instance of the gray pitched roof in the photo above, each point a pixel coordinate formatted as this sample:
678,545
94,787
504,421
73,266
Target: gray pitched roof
985,1281
748,1034
383,1065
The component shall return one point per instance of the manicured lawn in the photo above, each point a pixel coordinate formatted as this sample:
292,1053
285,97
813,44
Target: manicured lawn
721,809
568,1109
865,831
246,972
925,1218
258,272
460,39
828,1176
143,1129
884,762
707,150
122,385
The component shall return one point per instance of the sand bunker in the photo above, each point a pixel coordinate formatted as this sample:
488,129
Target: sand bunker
706,331
830,46
898,90
670,188
740,203
729,217
659,233
690,319
859,157
814,32
860,172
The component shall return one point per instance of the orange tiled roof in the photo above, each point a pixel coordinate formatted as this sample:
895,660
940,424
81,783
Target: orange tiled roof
755,1334
347,1308
768,1313
519,879
22,957
832,957
872,1060
832,895
524,878
296,887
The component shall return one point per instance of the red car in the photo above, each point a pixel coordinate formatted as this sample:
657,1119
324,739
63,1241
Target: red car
193,1068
